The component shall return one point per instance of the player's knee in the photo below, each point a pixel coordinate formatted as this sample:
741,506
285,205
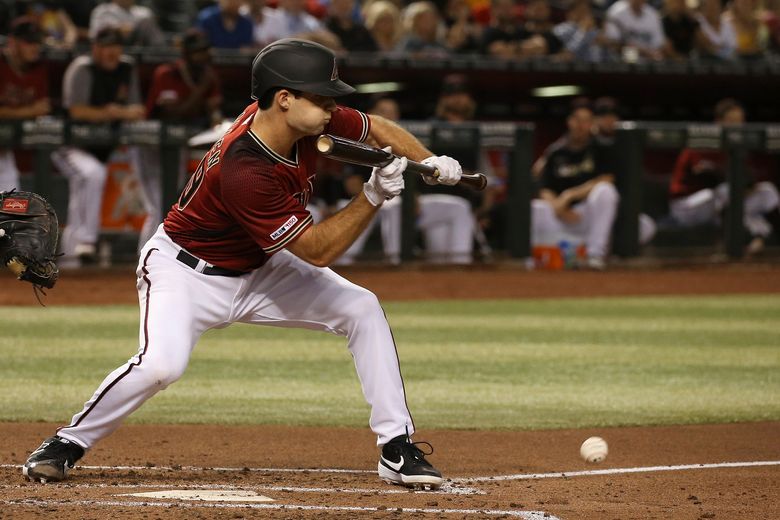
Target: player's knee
605,193
161,374
362,303
768,192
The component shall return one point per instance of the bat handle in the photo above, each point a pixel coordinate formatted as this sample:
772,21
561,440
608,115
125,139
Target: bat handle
475,181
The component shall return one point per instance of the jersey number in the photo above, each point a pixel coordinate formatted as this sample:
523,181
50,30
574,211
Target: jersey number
192,186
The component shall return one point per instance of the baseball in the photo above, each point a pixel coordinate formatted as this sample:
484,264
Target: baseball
594,449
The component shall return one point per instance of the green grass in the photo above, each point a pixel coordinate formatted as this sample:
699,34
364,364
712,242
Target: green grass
467,364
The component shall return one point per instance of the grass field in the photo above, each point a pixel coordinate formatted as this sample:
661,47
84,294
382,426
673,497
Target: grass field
523,364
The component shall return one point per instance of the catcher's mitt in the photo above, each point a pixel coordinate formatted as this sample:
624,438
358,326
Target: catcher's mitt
28,237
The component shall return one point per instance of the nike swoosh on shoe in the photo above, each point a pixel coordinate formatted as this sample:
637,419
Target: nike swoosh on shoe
395,466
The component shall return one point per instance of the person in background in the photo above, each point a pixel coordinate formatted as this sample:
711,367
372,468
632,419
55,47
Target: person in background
719,39
291,19
58,29
606,117
383,21
537,37
502,37
101,87
225,26
634,30
79,11
422,37
185,91
137,23
24,87
751,31
580,35
681,30
352,35
699,192
463,32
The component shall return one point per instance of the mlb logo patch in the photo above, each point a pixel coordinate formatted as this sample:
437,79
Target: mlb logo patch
285,227
15,205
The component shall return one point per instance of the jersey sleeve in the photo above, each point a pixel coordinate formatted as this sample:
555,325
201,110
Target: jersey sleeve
350,123
254,197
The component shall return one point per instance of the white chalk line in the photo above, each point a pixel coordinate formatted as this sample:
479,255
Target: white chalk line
445,488
527,515
616,471
222,469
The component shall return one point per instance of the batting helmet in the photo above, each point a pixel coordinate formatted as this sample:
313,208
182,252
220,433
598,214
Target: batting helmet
297,64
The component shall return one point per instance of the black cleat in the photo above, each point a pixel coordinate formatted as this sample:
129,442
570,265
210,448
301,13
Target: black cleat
403,463
52,460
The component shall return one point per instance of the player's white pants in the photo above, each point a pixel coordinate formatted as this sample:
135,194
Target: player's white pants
9,174
178,304
86,180
705,206
446,221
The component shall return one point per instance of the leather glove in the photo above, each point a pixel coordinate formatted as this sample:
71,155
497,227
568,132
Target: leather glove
385,182
449,170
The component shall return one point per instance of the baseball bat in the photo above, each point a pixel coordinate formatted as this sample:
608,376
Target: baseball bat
354,152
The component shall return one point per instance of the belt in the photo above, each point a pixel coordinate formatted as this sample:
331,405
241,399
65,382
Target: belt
202,267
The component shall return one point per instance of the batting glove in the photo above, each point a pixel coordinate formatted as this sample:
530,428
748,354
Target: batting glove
385,182
449,170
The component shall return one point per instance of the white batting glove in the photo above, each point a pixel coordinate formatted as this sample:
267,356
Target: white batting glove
449,170
385,182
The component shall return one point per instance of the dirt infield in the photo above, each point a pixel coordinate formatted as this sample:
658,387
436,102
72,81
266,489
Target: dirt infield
727,471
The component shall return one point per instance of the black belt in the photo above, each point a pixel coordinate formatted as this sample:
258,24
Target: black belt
211,270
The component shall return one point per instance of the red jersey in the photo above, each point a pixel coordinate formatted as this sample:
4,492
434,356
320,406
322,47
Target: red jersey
696,170
170,85
245,202
19,90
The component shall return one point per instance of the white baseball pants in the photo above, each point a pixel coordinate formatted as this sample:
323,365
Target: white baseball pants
86,180
178,304
705,206
9,174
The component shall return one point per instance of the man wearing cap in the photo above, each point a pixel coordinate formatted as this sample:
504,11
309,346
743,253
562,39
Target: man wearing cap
240,246
24,87
98,88
184,91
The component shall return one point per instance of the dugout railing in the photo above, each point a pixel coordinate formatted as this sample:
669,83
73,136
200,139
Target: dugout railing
633,140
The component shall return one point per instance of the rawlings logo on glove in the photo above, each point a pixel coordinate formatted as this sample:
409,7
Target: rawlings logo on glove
28,237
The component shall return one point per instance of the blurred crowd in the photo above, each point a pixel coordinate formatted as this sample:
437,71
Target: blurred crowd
565,30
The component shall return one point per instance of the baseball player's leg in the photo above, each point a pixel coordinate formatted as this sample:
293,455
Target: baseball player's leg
701,207
86,180
546,228
762,199
288,292
600,209
647,228
448,225
9,174
146,163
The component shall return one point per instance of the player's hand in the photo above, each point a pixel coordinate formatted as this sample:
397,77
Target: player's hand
385,182
449,170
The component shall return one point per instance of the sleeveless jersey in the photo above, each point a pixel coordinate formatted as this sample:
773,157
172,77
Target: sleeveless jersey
245,202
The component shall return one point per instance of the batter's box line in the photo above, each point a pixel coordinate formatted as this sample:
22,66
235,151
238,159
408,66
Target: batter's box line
615,471
526,515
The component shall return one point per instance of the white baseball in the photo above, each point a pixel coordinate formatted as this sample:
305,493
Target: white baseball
594,449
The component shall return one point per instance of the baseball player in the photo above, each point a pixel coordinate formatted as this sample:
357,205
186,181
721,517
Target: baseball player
24,87
97,88
240,246
699,191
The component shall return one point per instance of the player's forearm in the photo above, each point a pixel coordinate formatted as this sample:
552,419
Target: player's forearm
89,114
387,133
323,243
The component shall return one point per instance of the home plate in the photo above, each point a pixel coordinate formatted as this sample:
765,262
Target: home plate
207,495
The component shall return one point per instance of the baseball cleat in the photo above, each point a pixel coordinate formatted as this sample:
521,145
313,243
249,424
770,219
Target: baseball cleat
404,464
52,460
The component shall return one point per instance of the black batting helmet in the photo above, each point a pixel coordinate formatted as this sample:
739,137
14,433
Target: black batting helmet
297,64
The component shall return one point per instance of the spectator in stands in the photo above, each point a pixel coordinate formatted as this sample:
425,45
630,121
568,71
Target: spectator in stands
463,32
79,11
290,19
383,21
353,35
137,23
749,25
185,91
580,34
605,120
634,29
98,88
225,26
502,37
699,192
24,87
577,195
537,36
681,30
719,39
422,36
262,18
55,23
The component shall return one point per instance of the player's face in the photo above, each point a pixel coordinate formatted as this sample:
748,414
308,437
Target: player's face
29,52
107,56
734,117
309,113
580,124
